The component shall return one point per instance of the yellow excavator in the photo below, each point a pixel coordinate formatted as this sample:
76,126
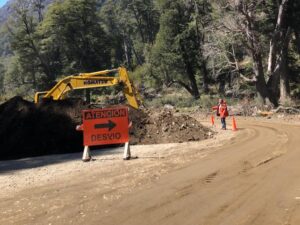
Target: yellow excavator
92,80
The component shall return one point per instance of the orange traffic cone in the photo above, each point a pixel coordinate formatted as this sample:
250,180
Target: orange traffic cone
212,120
234,128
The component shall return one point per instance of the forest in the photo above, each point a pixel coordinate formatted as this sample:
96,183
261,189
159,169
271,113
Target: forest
232,48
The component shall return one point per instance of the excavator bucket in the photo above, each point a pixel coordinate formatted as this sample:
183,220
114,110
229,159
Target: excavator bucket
39,95
129,90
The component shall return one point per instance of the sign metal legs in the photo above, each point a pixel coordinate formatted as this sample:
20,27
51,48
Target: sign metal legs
86,157
127,154
86,154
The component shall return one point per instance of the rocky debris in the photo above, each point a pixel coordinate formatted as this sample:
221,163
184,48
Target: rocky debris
150,127
150,93
288,110
29,130
169,107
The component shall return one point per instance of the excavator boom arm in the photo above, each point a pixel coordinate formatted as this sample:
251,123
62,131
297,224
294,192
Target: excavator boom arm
92,80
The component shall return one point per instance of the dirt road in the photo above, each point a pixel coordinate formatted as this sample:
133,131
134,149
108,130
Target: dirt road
253,179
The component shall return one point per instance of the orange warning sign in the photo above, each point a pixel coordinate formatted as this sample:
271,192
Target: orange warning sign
105,126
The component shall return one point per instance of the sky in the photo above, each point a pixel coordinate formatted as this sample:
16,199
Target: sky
2,2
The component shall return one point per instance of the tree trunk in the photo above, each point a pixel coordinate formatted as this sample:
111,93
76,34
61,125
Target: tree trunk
277,64
188,65
205,76
127,54
201,38
261,86
279,81
273,82
272,57
284,77
139,23
277,34
192,79
284,86
88,96
222,83
255,50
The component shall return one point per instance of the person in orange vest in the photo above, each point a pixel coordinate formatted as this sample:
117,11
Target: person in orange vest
217,107
222,111
223,114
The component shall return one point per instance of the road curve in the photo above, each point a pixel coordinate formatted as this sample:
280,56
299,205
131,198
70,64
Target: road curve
253,179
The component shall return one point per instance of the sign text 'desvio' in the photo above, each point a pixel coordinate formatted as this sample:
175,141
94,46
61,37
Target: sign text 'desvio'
105,126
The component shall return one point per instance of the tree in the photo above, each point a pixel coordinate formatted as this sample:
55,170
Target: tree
73,28
25,43
201,12
256,22
278,54
248,12
176,53
133,25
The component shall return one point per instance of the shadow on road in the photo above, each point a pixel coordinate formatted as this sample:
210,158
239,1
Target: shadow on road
34,162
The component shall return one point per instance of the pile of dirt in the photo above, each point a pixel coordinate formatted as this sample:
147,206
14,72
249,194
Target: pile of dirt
150,127
29,130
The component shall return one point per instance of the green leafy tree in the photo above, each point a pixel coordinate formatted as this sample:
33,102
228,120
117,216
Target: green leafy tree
133,25
73,30
177,52
26,44
259,24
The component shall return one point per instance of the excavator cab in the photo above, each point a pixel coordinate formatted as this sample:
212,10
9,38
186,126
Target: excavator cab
93,80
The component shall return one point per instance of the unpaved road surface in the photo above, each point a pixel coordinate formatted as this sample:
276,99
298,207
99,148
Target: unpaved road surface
252,179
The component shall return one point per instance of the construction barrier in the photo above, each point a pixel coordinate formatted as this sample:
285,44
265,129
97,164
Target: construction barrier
104,127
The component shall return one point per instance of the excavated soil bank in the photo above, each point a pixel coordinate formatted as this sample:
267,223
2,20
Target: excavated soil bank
155,127
29,130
